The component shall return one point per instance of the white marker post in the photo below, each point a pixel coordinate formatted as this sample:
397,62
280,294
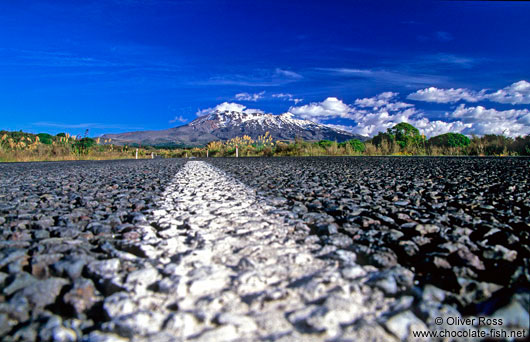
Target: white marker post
152,155
237,152
206,153
136,153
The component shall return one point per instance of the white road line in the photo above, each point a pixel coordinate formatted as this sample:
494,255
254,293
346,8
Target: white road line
234,272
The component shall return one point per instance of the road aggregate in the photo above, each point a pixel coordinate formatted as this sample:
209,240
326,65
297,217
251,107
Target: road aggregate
270,249
460,224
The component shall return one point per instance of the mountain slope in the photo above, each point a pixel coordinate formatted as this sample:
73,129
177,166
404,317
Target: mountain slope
224,125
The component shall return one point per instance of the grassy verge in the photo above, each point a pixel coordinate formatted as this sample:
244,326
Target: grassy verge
25,147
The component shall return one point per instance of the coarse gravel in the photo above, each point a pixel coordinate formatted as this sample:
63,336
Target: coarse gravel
271,249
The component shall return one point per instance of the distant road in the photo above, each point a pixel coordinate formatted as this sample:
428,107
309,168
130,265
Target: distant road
281,249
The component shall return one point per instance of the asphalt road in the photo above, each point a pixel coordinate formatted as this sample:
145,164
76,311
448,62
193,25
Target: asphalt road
275,249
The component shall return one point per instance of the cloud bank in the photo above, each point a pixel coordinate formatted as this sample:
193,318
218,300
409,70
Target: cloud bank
516,93
371,115
376,114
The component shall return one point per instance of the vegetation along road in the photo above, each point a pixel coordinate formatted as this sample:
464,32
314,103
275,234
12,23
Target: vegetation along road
264,249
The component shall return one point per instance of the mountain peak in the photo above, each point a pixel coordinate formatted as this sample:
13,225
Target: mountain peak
226,124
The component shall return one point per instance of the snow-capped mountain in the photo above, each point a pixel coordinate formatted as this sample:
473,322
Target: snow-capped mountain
224,125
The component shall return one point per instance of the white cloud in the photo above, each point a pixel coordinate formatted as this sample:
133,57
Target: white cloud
228,106
384,100
330,108
371,115
513,122
370,123
437,127
451,95
178,118
249,97
288,97
516,93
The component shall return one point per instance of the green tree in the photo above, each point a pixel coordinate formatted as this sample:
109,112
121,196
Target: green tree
45,138
406,135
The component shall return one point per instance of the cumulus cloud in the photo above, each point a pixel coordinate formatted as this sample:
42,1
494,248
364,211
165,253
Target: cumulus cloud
287,97
228,106
371,115
384,100
451,95
437,127
513,122
372,122
330,108
516,93
249,97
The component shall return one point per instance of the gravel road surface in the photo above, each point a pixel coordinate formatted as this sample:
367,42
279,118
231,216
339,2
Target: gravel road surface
263,249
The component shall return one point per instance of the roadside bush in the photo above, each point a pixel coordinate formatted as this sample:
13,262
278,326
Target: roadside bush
521,146
449,140
355,144
83,145
325,143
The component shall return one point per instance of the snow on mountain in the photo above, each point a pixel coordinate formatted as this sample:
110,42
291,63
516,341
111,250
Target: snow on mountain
226,124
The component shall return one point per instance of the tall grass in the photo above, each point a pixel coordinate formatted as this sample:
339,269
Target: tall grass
19,146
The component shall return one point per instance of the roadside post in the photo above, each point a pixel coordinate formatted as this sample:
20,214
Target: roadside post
237,151
136,153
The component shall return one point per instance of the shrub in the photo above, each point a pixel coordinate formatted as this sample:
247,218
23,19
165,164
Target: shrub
449,140
325,143
355,144
521,145
82,146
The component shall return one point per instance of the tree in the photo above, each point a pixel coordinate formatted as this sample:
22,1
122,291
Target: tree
406,135
45,138
449,140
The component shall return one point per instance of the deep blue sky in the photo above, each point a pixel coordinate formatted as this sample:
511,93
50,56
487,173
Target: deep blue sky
121,65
